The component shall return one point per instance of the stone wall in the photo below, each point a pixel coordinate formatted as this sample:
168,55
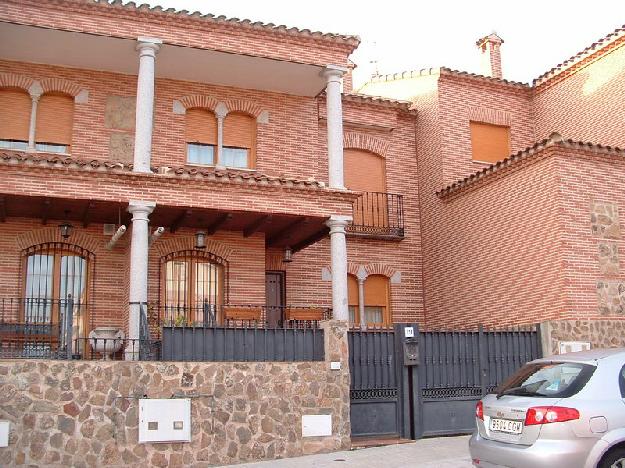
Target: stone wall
600,333
85,413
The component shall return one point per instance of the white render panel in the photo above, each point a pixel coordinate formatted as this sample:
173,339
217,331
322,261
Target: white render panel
316,425
4,433
164,420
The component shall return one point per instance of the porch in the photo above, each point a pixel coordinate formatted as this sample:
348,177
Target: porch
215,283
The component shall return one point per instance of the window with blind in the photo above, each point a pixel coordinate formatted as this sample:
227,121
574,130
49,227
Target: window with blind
377,300
366,172
239,141
15,105
201,136
489,143
55,120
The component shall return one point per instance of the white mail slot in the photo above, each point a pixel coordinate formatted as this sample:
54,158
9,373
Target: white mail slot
164,420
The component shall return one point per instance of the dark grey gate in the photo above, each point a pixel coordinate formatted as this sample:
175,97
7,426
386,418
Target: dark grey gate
374,393
436,395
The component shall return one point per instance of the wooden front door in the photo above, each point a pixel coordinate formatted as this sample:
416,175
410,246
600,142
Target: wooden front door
275,293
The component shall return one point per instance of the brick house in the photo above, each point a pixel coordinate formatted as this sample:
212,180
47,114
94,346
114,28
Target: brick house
235,150
520,188
166,174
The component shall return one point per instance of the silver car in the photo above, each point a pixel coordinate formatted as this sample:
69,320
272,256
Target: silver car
561,411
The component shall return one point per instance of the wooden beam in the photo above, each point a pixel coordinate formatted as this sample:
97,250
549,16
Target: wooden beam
285,232
3,209
45,210
256,225
179,220
220,221
311,240
85,215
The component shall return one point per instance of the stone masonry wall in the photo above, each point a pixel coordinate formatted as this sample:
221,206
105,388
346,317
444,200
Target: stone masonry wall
85,413
600,333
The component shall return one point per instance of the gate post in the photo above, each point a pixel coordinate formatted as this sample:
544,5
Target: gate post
482,346
408,379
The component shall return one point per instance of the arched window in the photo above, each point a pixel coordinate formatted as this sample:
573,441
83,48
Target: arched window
54,273
239,141
193,287
377,300
377,309
15,106
201,136
55,121
366,172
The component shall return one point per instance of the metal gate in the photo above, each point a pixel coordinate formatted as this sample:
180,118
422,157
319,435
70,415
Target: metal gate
410,383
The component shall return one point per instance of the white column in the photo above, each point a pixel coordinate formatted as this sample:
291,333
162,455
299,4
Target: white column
138,288
220,112
334,114
338,248
144,117
362,276
33,121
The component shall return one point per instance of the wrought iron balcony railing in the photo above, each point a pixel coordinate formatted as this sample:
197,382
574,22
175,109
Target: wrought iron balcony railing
378,214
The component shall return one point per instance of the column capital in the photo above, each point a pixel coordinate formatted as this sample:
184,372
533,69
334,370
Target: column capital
333,73
337,223
35,90
140,209
148,45
221,110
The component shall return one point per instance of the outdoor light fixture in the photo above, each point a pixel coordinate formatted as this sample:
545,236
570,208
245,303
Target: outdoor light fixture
66,228
200,240
288,255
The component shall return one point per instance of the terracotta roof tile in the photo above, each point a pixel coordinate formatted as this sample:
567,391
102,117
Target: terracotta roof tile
615,35
49,160
243,23
555,139
367,98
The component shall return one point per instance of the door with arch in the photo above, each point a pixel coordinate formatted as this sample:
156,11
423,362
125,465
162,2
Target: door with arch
55,305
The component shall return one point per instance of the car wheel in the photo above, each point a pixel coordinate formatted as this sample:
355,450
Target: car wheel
614,459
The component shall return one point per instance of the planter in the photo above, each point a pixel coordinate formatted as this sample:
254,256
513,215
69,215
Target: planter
106,340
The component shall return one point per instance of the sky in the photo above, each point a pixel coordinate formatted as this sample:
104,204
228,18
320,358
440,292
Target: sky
409,35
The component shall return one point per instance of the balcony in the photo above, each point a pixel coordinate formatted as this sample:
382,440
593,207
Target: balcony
378,215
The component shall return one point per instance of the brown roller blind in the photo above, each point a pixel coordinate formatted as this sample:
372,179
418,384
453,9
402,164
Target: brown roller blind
364,171
376,291
352,290
55,119
489,143
201,127
239,131
14,114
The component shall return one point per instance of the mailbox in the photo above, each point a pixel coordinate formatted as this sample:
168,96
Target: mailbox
411,352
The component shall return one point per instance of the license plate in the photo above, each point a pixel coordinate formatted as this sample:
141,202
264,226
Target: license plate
506,425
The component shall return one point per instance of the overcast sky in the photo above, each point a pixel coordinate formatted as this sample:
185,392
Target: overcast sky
409,35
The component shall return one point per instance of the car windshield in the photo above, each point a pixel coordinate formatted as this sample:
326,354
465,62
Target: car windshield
547,380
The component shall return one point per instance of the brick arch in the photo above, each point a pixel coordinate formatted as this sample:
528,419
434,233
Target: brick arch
246,107
59,85
11,80
180,243
352,268
199,100
53,234
365,142
380,269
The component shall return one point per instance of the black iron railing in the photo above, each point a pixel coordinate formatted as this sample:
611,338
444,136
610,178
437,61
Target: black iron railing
54,329
378,214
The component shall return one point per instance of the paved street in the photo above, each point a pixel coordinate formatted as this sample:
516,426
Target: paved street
443,452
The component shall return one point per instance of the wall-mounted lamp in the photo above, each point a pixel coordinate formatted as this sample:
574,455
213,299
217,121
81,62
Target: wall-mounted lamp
66,228
200,240
288,255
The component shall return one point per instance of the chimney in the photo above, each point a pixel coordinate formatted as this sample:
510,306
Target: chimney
491,55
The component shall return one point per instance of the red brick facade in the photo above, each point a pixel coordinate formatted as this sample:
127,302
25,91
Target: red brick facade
521,241
290,151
